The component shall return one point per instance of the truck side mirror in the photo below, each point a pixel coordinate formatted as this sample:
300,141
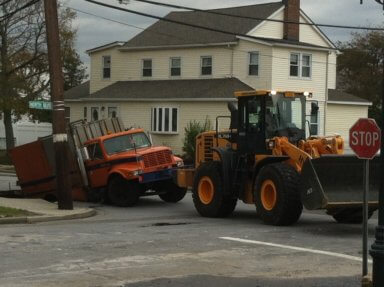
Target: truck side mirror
84,153
314,108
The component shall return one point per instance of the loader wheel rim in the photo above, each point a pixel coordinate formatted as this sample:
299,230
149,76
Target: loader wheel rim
268,194
206,190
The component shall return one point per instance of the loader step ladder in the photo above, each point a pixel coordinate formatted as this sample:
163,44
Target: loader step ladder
240,176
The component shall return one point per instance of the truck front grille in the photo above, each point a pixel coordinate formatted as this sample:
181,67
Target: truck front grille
157,158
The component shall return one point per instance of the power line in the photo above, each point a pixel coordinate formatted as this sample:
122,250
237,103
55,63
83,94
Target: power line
10,14
257,18
180,38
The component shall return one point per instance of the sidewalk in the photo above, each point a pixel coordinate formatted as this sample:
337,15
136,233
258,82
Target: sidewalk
45,211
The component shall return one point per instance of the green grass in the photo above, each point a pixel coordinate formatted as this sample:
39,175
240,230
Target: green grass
13,212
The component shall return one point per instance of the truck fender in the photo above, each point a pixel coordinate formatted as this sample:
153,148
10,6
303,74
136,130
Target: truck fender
226,158
264,162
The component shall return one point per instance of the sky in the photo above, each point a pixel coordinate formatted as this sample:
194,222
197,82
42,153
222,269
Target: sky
94,31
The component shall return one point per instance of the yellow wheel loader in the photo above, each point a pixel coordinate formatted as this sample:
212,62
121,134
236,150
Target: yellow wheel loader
265,159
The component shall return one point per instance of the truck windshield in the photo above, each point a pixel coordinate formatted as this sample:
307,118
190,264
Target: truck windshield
284,117
126,142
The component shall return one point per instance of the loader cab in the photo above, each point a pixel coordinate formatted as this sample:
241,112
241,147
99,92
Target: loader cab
263,115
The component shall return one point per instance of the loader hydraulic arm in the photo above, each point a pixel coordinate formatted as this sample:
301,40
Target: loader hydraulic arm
311,148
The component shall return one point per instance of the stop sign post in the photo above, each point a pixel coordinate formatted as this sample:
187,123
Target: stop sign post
365,141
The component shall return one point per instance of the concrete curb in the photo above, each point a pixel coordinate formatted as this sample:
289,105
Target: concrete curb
46,218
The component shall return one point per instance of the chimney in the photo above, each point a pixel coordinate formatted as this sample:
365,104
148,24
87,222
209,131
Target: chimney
291,14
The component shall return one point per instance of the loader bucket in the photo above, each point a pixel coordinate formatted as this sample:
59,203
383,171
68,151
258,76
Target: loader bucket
334,181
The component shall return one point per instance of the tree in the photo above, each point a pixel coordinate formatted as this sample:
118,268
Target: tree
360,68
23,58
191,132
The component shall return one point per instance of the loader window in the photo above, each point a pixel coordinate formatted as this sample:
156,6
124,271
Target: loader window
285,117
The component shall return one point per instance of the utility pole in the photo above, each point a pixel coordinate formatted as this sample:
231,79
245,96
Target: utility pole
60,140
377,249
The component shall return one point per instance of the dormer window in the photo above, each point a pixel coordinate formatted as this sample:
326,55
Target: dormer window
253,69
147,68
106,67
206,65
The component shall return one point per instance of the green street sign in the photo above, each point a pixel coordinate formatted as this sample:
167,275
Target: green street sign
40,105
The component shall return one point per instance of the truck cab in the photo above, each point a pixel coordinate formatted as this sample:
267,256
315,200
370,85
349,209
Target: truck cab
127,166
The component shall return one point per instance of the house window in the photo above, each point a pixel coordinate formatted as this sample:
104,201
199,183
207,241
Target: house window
253,69
112,112
300,65
106,67
306,66
314,124
294,65
175,67
85,113
147,68
206,65
94,113
164,120
67,114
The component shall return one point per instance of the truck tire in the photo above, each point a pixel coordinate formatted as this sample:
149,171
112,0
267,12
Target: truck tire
170,192
122,192
353,215
208,194
277,196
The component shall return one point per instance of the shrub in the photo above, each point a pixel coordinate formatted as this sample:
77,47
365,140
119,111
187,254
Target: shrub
191,131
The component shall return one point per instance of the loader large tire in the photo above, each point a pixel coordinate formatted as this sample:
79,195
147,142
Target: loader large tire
277,195
353,215
122,192
170,192
208,193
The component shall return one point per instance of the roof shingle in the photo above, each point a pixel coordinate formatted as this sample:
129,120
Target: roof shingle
164,33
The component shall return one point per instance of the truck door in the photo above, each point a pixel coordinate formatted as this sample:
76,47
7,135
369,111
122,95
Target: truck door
96,166
251,131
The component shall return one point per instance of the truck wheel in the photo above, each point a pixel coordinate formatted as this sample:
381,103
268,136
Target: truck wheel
170,192
208,196
349,215
277,196
122,192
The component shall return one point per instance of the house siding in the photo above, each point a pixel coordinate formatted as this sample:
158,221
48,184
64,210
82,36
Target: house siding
310,35
340,118
127,65
270,29
241,61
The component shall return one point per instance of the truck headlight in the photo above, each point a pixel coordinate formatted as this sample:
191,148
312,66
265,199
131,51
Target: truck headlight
137,172
271,144
180,163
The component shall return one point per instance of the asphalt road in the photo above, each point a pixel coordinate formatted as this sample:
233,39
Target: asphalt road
161,244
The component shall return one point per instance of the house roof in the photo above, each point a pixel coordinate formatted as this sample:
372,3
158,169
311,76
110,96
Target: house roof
164,33
208,89
79,91
335,95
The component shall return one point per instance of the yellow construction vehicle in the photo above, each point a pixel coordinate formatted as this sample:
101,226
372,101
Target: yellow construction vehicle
265,159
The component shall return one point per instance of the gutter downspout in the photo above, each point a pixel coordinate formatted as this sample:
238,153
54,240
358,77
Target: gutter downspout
326,93
232,56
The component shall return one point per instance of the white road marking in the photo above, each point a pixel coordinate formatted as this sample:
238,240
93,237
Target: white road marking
309,250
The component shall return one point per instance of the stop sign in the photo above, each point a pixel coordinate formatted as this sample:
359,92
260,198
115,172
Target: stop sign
365,138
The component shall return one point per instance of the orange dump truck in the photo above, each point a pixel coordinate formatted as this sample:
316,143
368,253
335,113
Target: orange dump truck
107,162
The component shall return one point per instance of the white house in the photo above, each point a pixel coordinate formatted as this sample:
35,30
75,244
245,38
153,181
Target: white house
171,74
